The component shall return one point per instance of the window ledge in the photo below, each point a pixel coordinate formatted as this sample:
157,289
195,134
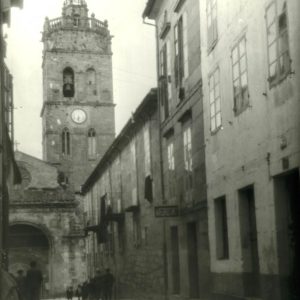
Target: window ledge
212,46
278,79
178,5
164,30
215,131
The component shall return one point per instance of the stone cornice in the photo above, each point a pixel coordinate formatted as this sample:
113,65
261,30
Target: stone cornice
75,103
41,204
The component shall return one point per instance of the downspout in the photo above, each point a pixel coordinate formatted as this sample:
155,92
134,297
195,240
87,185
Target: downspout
1,146
165,258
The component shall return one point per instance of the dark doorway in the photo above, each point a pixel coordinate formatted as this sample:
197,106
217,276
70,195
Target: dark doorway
192,244
287,200
249,242
28,243
175,267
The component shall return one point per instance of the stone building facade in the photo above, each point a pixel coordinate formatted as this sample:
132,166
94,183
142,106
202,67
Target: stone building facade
250,68
78,109
46,227
119,199
46,216
183,145
9,174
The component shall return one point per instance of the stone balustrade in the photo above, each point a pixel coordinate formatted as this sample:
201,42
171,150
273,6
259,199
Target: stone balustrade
71,22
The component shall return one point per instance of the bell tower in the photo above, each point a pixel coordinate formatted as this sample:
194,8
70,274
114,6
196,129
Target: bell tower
78,109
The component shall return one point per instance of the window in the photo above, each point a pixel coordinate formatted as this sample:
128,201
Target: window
212,30
222,248
181,50
91,81
76,20
215,101
278,43
171,169
68,82
92,143
163,81
188,162
133,173
240,80
66,150
169,73
147,150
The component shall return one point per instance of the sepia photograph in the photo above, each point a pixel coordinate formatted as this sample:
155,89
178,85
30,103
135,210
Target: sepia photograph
149,149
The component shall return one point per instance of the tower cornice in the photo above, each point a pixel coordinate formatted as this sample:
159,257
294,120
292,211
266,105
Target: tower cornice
75,103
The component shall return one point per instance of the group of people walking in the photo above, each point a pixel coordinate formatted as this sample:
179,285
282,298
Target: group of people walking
99,287
29,285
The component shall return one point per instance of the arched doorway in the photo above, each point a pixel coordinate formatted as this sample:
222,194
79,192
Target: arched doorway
29,243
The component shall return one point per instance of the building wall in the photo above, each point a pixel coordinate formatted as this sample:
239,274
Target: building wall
134,250
251,147
42,204
191,277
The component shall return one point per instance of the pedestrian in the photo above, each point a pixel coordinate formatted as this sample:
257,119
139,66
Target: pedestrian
69,293
9,289
108,282
85,291
21,284
98,282
34,279
91,289
78,292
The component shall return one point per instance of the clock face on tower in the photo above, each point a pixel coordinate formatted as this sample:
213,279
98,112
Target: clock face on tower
78,116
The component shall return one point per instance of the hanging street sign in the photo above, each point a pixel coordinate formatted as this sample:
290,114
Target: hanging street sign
166,211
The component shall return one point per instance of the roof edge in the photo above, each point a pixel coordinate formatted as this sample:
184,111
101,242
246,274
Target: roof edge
94,175
148,9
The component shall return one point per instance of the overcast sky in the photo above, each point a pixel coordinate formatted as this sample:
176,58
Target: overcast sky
134,66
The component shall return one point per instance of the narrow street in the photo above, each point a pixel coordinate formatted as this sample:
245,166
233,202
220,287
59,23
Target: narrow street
150,150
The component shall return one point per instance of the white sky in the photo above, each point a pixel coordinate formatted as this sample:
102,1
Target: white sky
134,66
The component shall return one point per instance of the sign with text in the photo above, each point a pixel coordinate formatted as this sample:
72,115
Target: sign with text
166,211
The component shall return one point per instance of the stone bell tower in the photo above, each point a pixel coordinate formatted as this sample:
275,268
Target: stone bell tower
78,109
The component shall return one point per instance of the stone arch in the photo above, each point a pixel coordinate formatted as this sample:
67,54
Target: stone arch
27,242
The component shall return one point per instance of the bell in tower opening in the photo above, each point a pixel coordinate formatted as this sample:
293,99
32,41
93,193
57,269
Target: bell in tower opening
68,83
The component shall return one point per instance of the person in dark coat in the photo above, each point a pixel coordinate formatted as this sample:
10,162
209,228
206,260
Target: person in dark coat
98,282
85,291
78,292
69,293
21,284
108,282
91,289
34,279
9,289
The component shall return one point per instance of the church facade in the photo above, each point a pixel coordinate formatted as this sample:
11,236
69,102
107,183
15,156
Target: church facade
46,218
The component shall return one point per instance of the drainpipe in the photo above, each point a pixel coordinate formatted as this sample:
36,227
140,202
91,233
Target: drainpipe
165,258
1,147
